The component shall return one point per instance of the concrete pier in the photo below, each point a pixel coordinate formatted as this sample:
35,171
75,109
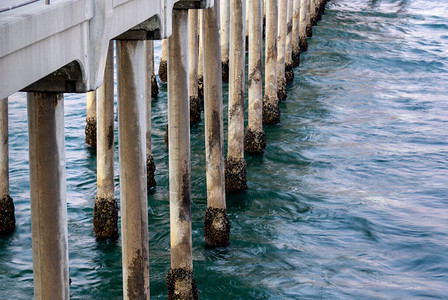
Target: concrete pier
163,70
193,59
309,27
235,168
133,190
289,73
295,33
91,119
271,110
48,202
225,35
281,49
216,223
254,138
7,218
150,165
180,278
105,213
154,84
303,41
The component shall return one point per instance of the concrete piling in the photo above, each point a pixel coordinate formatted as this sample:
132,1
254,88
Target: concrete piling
7,218
216,222
150,165
163,71
309,27
313,17
91,119
154,85
193,59
235,167
281,49
201,61
271,110
225,32
303,41
295,33
254,138
180,278
132,150
289,72
48,191
105,213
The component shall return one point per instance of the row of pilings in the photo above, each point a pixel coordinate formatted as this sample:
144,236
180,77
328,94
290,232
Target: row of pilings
206,48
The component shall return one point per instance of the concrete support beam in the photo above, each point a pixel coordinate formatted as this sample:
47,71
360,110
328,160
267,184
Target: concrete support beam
180,278
216,224
255,139
281,49
91,119
303,41
289,72
133,191
295,33
48,203
150,165
235,168
7,219
163,71
225,35
193,59
271,110
105,213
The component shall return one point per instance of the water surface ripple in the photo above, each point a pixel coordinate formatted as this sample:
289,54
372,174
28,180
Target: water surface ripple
349,200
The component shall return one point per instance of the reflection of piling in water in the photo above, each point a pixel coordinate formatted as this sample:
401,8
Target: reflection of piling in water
105,213
180,278
48,201
216,223
7,219
235,166
91,119
271,110
254,138
133,187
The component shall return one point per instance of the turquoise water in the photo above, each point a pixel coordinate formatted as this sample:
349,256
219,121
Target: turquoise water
349,200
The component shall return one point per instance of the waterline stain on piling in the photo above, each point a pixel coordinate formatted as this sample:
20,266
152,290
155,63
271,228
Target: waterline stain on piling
216,227
7,218
181,285
235,174
136,278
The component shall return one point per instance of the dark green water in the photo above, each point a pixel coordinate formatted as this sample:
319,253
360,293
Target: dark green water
349,200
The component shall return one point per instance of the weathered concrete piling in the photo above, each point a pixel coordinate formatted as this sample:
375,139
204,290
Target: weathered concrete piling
201,60
105,213
48,202
254,138
193,59
303,41
154,84
309,26
133,187
150,165
313,17
235,168
281,49
295,34
91,119
7,218
271,110
225,32
180,278
163,70
289,72
216,223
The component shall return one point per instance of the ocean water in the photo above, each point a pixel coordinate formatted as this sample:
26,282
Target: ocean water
349,200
